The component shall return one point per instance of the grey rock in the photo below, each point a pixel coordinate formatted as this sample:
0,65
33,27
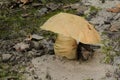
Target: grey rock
98,3
42,11
117,60
36,77
35,44
37,4
53,6
48,44
113,35
117,16
35,53
75,6
6,57
81,10
36,37
115,26
30,53
97,20
106,15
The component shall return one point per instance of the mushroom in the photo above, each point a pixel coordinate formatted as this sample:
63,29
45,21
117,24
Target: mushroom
71,29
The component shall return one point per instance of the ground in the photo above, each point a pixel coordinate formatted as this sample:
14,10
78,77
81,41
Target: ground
35,59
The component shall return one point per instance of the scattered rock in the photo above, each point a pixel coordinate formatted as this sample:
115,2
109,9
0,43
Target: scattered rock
115,26
6,57
117,16
76,5
117,60
25,15
103,21
48,44
21,46
36,76
37,4
42,11
114,35
53,6
36,37
81,10
35,44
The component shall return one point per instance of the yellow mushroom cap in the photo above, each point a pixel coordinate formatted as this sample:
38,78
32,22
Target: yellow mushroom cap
72,26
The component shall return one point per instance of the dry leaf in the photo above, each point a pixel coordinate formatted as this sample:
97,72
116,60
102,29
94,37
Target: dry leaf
118,6
114,10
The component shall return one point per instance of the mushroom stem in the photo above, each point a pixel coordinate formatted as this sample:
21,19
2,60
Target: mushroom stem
66,47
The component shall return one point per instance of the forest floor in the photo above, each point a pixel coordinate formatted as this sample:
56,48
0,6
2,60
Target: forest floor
23,59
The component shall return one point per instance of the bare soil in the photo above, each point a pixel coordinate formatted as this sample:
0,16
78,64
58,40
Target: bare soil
62,69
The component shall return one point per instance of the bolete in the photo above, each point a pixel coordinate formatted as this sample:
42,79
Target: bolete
71,29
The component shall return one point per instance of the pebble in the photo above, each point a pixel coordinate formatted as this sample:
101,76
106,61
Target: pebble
43,11
37,37
37,4
115,26
6,57
75,6
117,60
117,16
35,44
53,6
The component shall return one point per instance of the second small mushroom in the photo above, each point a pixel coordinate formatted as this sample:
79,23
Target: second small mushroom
71,29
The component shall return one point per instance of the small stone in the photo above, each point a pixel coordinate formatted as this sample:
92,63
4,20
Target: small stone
37,4
35,44
42,11
36,76
117,17
36,37
6,57
115,26
81,10
25,15
53,6
117,60
75,6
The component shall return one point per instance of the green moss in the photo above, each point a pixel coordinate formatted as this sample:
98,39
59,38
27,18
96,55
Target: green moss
93,8
60,1
11,21
6,71
106,49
